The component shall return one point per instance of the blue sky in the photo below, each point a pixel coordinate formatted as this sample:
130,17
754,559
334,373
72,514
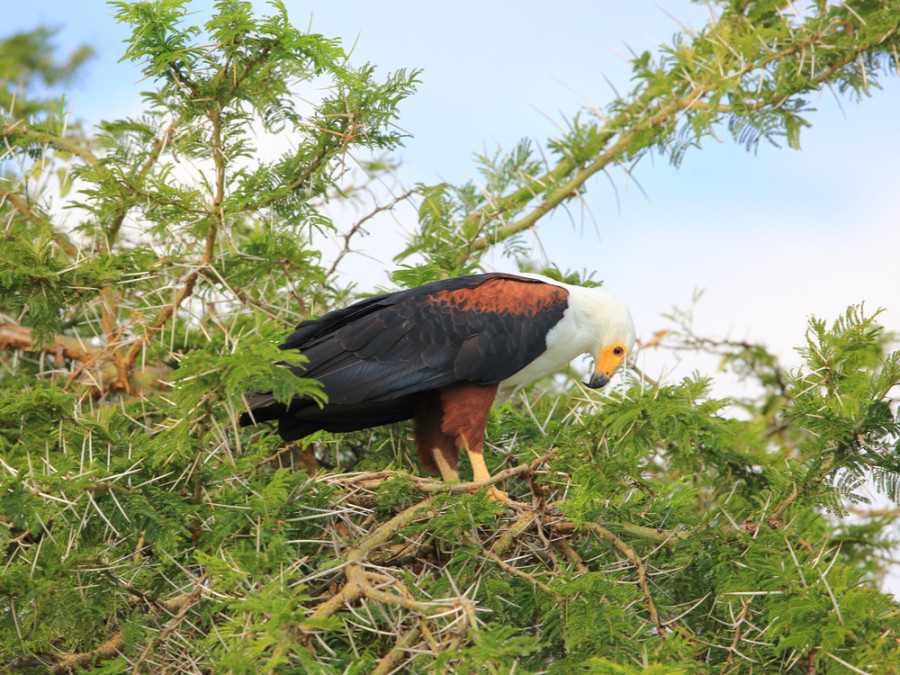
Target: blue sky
771,238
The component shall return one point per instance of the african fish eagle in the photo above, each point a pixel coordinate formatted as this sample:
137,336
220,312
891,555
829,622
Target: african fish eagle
441,354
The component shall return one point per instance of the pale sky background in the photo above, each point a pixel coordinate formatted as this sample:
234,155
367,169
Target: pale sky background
771,238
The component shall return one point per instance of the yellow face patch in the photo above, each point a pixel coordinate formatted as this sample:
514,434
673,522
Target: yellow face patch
610,358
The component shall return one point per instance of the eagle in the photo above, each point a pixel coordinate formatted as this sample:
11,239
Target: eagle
441,354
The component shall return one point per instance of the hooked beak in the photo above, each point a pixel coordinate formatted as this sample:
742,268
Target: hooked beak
597,380
609,360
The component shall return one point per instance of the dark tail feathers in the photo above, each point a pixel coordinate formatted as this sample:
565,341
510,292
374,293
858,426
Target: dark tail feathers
300,418
262,408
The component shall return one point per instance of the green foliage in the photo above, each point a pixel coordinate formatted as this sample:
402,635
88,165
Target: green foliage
144,530
29,281
395,495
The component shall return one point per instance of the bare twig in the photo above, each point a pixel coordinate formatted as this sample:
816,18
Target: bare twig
356,227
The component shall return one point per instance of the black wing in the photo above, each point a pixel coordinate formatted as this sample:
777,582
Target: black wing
482,328
375,357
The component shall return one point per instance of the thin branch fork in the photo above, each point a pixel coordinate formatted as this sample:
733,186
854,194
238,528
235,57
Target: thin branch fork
506,567
635,560
737,636
357,584
216,223
169,310
358,225
155,152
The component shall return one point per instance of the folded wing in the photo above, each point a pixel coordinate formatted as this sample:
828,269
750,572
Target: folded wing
377,355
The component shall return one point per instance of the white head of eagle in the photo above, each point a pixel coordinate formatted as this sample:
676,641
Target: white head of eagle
441,353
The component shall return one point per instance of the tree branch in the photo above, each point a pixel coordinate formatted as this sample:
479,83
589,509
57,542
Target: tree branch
651,127
22,207
356,227
71,144
639,566
155,151
107,376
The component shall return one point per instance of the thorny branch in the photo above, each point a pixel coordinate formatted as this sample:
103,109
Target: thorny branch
371,577
646,115
433,624
349,576
635,560
178,606
737,636
106,376
20,133
215,225
156,150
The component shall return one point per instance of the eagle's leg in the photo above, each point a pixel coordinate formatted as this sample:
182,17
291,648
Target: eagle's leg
465,411
446,458
480,473
437,451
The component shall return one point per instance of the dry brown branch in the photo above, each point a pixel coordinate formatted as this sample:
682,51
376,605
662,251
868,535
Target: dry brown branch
358,225
105,377
354,588
108,650
565,527
391,660
19,337
108,309
163,317
403,553
113,646
386,532
570,554
522,524
358,576
180,606
106,354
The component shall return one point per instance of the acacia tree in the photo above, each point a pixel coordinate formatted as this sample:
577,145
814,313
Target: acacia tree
143,530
